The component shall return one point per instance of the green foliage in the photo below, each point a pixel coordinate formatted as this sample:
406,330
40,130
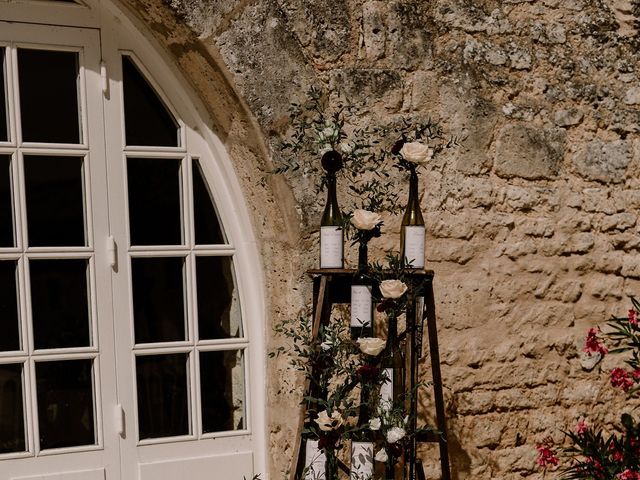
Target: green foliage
370,169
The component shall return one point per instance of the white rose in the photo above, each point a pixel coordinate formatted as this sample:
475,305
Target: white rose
416,152
371,345
381,455
394,434
326,345
324,148
365,220
375,424
328,423
392,288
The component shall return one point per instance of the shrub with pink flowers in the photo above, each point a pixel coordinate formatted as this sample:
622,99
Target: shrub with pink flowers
592,454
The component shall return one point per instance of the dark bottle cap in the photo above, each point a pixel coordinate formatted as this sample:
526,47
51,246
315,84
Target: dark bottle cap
332,161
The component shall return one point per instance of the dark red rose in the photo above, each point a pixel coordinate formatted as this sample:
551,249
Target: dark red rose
368,371
395,449
385,305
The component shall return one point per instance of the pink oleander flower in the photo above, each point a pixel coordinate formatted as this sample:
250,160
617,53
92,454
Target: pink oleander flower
636,374
546,455
592,343
620,379
581,427
628,475
633,317
616,454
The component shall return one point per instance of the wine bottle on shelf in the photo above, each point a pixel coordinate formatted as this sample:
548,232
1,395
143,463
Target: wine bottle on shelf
413,233
331,224
311,459
363,441
361,300
392,390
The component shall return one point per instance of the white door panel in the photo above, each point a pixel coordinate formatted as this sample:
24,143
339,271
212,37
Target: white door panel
201,468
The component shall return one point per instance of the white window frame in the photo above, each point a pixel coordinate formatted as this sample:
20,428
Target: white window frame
122,33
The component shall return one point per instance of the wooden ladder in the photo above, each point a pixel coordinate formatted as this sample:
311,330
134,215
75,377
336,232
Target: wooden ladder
333,286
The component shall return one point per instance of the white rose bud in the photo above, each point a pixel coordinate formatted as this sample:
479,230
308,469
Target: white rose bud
381,456
346,148
365,220
328,423
328,134
394,434
392,288
375,424
371,345
416,152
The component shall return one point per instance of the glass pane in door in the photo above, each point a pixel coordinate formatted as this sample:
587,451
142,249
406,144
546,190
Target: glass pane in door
59,303
158,299
12,425
49,92
66,403
6,203
218,303
147,120
155,205
55,201
4,120
9,319
163,395
205,219
222,389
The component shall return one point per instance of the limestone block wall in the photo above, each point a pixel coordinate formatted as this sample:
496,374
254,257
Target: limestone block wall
532,225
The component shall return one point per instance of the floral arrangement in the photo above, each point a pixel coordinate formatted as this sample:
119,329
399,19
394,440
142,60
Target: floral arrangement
338,367
593,454
371,158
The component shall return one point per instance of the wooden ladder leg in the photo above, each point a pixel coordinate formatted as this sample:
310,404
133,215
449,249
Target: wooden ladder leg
321,312
437,380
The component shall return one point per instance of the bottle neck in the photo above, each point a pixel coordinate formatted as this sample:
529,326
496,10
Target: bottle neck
392,332
414,201
332,198
363,253
332,214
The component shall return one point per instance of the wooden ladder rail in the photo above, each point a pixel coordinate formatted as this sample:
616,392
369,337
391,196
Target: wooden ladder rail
320,307
429,314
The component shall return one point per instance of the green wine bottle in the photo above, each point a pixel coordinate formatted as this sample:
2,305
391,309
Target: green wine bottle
413,233
361,301
363,441
331,223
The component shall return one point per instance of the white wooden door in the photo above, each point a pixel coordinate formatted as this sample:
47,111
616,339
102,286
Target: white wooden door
57,357
126,353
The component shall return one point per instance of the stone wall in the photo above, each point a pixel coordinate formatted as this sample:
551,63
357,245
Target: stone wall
532,226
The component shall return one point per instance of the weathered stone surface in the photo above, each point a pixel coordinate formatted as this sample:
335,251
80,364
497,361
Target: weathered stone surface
370,87
566,118
603,161
632,96
409,35
532,229
323,27
474,119
262,42
619,221
526,152
631,266
374,29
